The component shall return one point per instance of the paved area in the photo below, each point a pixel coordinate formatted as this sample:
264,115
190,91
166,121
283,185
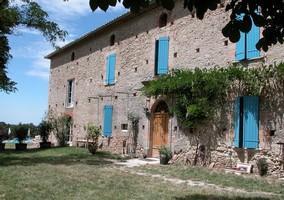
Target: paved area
139,162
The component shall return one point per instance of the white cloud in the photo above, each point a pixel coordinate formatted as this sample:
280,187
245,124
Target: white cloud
39,65
39,74
24,30
68,10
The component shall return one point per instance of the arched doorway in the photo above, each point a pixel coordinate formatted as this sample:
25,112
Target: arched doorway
159,127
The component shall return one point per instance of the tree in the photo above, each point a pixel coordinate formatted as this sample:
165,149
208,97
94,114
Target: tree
266,14
28,14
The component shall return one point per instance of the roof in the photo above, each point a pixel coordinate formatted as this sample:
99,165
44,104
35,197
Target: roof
127,16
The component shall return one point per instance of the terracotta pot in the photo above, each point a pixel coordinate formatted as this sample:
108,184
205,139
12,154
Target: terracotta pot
21,147
45,145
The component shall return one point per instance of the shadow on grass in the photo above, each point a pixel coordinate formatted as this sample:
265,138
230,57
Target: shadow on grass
217,197
55,156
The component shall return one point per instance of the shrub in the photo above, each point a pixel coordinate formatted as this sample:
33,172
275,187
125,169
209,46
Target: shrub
93,134
262,166
45,128
21,132
165,155
61,128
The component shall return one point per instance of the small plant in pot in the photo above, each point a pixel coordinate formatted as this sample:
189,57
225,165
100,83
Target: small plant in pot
165,155
21,135
93,134
262,166
45,128
3,137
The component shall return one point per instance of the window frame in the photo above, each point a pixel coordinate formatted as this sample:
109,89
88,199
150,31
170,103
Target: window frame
70,93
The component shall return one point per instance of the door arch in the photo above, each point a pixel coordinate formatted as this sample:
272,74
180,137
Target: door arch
159,127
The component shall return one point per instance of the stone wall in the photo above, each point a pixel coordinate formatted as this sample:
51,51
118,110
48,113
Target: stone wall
193,43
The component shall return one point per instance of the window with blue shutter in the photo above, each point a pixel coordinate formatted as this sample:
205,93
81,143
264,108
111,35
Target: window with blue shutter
110,69
246,46
246,122
107,128
162,56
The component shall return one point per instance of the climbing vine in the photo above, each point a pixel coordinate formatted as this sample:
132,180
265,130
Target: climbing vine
201,93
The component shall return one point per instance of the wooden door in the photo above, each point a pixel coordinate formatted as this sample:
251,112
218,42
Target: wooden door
160,123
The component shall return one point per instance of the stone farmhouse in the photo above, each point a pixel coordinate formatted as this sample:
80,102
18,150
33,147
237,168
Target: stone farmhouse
98,79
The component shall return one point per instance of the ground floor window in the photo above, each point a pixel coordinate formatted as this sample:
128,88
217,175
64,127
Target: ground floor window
107,128
246,122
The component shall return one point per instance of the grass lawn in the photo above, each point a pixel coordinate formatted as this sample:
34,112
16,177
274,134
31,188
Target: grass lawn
73,173
249,183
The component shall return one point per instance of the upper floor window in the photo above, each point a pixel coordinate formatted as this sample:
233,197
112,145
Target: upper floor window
73,56
162,56
70,93
110,69
163,20
246,46
112,40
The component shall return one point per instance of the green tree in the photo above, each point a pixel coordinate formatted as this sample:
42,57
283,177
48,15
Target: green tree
270,15
28,14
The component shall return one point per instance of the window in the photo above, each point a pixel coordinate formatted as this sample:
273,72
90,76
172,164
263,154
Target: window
124,127
70,93
245,47
73,56
163,20
112,40
110,69
246,122
107,129
162,56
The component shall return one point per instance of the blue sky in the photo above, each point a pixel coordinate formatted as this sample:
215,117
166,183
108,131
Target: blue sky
29,68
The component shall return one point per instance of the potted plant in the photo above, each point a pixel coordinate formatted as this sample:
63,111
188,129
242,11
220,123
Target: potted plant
262,166
165,155
45,128
21,135
93,134
3,136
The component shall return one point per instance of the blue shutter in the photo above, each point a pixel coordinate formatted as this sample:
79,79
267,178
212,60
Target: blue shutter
237,122
252,38
251,121
112,62
240,46
163,55
107,120
107,70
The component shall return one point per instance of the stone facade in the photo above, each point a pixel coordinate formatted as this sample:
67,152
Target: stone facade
192,43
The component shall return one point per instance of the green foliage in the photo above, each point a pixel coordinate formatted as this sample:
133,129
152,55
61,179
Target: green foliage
30,15
262,166
93,134
21,132
267,17
201,94
45,127
165,151
165,155
61,128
